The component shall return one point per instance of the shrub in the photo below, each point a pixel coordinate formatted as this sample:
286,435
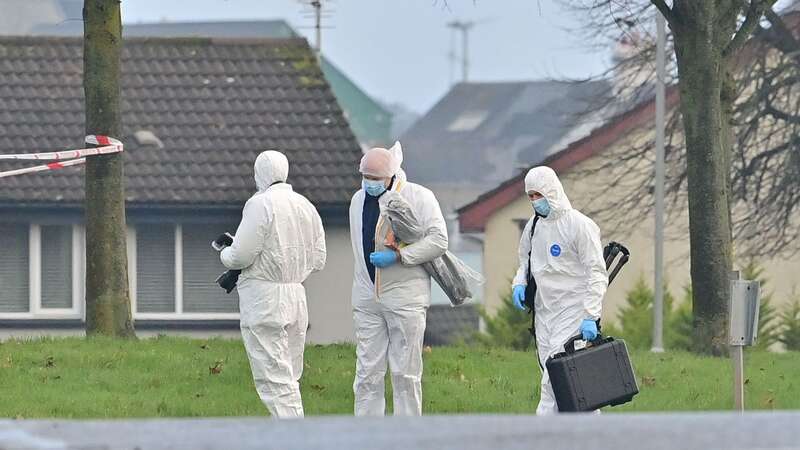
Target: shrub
789,334
508,327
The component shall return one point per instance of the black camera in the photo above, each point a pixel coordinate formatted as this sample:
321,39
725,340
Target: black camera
222,241
228,280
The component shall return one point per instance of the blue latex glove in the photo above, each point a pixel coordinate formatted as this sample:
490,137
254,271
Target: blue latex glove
589,329
519,296
384,258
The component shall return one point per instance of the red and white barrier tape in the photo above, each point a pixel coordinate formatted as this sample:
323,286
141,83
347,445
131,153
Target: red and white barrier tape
67,158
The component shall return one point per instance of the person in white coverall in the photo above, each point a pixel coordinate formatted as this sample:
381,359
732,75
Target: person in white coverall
566,257
391,290
278,244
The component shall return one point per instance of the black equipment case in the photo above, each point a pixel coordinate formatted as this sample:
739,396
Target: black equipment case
593,377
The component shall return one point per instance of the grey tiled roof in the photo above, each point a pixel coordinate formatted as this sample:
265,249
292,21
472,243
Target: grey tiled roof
481,133
369,120
215,104
250,29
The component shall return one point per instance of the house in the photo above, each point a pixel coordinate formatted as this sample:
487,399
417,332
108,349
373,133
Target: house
500,214
195,114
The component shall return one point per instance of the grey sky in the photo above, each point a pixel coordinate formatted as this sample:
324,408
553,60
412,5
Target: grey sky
397,49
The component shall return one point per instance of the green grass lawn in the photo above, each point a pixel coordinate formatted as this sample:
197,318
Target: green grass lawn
78,378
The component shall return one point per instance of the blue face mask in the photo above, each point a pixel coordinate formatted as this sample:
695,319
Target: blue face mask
541,206
373,187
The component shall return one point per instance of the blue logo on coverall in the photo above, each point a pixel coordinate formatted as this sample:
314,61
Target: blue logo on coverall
555,250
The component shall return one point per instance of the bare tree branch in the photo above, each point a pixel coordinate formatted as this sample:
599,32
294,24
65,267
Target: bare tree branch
755,10
779,34
776,113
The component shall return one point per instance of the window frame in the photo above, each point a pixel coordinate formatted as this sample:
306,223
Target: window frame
35,308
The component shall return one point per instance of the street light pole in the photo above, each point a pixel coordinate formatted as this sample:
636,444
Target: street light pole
658,304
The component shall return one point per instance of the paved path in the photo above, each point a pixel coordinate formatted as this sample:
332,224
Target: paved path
754,431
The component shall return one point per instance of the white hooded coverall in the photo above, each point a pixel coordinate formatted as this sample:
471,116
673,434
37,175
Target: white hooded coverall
278,244
389,314
569,269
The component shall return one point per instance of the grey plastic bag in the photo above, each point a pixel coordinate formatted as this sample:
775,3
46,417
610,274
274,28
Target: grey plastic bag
449,272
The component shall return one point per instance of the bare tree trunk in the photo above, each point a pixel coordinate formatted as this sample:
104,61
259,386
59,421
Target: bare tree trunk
704,83
108,310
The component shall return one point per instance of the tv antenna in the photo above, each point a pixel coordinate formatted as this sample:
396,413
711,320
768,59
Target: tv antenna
464,27
317,11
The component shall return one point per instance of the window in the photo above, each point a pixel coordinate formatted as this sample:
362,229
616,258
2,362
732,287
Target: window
468,121
56,266
174,270
14,268
201,267
155,268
